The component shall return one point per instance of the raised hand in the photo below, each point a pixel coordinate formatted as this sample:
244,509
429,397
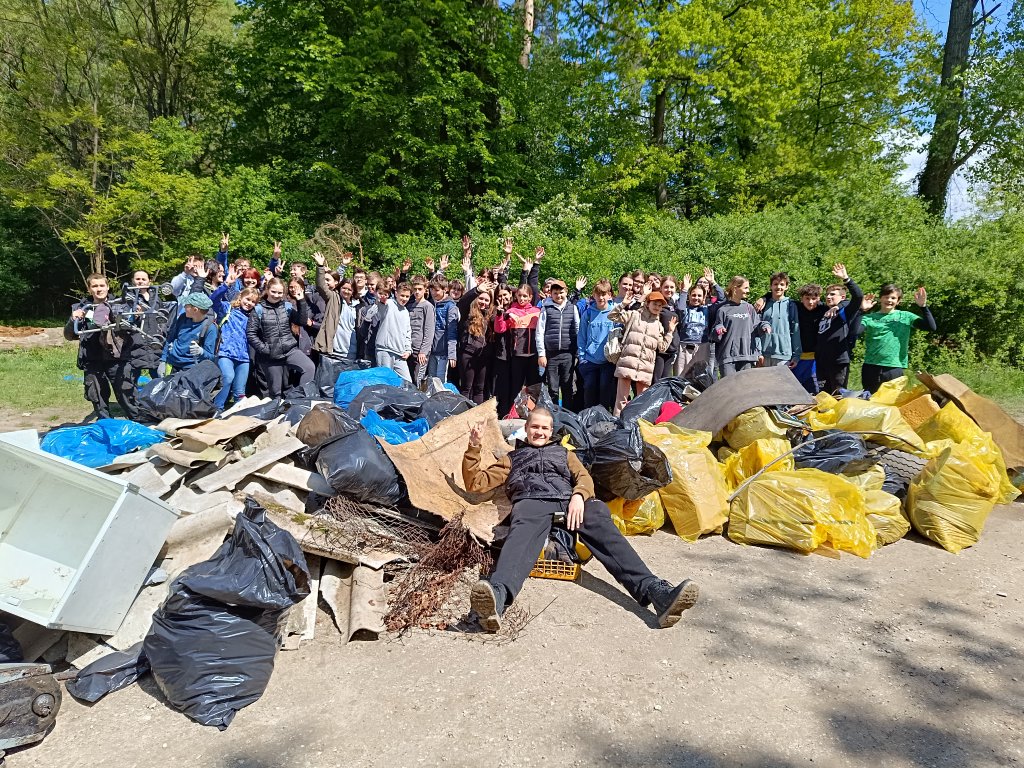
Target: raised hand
687,282
279,269
200,269
506,247
484,286
527,263
467,265
503,266
581,283
319,259
467,247
406,265
232,277
921,296
538,253
476,432
277,249
673,322
709,275
224,240
429,264
445,261
839,270
868,302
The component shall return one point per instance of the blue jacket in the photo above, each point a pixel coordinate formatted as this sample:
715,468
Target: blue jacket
446,329
222,297
182,333
233,342
593,333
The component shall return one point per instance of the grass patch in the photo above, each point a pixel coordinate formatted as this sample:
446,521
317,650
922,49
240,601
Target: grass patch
33,322
37,378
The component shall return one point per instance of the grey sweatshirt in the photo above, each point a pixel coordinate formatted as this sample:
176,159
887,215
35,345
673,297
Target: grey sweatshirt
735,333
395,332
421,322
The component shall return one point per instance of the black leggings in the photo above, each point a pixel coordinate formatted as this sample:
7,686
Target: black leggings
277,370
873,376
475,363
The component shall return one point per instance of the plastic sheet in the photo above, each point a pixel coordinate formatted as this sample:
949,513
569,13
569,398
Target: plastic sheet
213,641
182,395
836,451
751,459
696,498
885,513
624,465
951,500
401,403
327,370
647,405
110,673
802,510
755,424
348,457
99,443
852,415
350,383
639,517
394,432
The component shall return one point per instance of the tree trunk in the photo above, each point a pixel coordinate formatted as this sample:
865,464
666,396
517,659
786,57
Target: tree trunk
942,161
658,140
528,21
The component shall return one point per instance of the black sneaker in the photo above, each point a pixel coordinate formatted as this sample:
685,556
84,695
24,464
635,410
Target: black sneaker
670,602
484,600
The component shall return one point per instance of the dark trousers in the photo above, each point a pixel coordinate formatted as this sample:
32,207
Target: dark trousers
475,364
598,384
833,376
102,376
531,522
416,370
662,367
277,371
734,367
558,377
502,386
521,371
873,376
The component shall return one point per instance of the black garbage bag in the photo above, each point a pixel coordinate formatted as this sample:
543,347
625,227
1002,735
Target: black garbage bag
835,452
182,395
111,673
350,459
598,421
327,371
568,423
396,403
10,648
624,465
295,410
267,411
307,391
443,404
212,643
647,405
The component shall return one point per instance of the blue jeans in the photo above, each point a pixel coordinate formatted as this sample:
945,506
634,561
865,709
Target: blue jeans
437,365
598,384
233,376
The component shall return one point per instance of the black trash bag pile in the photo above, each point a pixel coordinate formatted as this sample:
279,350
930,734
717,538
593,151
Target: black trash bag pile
598,421
307,391
182,395
212,644
647,405
348,457
401,403
835,452
624,465
265,411
111,673
327,371
442,404
565,422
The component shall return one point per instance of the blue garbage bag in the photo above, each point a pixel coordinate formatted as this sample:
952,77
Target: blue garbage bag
394,432
99,443
349,383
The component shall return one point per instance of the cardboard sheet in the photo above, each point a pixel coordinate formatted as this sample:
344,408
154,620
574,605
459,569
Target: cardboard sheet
432,469
220,430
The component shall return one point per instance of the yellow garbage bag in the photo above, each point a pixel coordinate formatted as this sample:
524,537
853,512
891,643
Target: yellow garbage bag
951,499
640,516
872,479
950,423
825,401
725,452
802,509
897,392
749,426
884,512
853,415
696,501
751,459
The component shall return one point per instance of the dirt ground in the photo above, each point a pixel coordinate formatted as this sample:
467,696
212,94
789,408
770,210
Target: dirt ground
911,658
28,337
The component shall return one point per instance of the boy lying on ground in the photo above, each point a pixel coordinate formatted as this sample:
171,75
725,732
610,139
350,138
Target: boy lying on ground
544,479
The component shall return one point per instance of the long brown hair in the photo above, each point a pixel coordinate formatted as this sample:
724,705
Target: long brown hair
478,322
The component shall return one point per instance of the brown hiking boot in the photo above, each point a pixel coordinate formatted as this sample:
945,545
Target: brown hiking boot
670,602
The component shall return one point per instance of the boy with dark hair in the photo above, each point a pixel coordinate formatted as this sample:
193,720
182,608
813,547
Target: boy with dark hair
104,349
444,351
887,334
546,481
390,334
835,340
780,326
422,317
809,313
557,329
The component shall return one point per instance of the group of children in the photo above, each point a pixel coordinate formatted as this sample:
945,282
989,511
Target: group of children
484,333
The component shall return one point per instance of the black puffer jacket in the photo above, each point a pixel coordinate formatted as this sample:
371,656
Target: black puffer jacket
539,473
270,329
